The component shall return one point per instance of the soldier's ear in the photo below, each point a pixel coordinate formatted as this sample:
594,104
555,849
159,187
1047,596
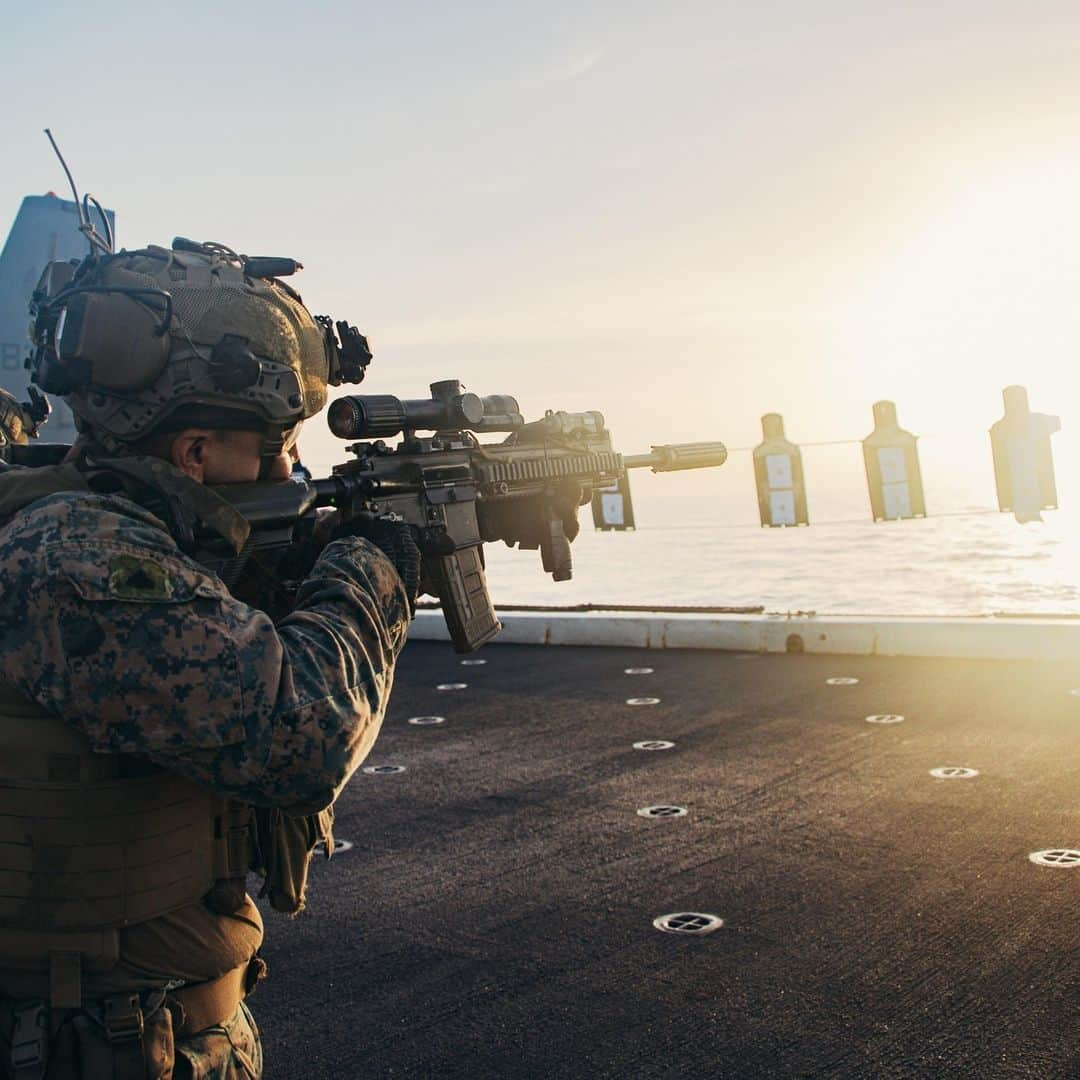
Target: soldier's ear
188,451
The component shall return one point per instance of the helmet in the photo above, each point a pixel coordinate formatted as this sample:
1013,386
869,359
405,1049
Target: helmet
140,342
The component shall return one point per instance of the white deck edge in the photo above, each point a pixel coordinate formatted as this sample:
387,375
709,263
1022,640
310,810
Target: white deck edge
845,635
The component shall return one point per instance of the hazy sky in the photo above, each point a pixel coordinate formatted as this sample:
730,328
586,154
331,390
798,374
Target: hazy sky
685,215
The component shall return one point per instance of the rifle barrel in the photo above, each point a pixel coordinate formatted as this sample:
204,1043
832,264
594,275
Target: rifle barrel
676,456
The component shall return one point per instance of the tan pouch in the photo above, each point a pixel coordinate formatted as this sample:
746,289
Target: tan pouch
285,845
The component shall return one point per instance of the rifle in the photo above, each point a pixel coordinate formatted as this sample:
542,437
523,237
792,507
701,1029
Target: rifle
453,491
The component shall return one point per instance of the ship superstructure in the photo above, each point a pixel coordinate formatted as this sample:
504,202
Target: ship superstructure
45,228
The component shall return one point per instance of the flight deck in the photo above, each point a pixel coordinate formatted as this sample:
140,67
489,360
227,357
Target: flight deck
883,854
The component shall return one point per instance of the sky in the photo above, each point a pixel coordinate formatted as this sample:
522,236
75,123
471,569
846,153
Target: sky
684,215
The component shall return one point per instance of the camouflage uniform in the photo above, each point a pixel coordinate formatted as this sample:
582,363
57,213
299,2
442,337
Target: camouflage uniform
230,1051
105,623
160,736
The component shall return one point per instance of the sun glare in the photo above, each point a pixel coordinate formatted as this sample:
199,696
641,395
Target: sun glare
982,294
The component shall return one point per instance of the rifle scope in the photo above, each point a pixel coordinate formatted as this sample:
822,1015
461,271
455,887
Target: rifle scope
375,416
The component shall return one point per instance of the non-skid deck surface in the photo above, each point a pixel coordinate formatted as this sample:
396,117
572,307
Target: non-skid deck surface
494,915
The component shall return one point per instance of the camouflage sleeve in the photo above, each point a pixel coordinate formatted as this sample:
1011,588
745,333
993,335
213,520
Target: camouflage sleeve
112,628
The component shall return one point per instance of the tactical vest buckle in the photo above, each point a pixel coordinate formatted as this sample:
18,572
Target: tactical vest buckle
122,1018
28,1040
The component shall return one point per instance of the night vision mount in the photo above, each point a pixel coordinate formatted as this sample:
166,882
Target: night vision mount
349,347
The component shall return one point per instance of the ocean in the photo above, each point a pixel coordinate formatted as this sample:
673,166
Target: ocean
974,561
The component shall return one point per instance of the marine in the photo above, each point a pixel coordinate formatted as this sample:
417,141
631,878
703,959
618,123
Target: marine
21,421
161,735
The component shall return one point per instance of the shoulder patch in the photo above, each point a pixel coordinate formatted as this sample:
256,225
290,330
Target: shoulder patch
133,578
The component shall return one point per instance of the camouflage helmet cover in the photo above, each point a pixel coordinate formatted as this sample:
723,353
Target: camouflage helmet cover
236,345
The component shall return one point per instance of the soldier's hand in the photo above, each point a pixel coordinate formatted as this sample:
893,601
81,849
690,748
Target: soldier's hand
397,543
